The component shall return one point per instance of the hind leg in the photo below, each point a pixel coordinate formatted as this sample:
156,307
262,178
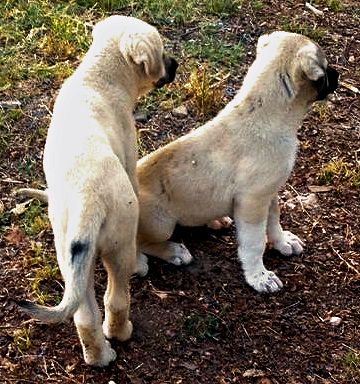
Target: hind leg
96,349
120,263
117,296
174,253
155,228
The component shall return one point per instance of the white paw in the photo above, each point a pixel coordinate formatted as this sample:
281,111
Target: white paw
264,281
181,255
142,267
122,334
102,359
288,244
223,222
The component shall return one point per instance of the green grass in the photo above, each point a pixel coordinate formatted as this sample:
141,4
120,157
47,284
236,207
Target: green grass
34,220
21,339
210,47
351,363
332,5
203,326
38,38
295,26
338,170
44,272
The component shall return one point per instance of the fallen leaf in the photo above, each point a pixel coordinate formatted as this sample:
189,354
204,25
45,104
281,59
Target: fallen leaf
15,236
20,208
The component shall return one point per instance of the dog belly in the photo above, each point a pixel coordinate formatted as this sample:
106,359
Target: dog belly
198,214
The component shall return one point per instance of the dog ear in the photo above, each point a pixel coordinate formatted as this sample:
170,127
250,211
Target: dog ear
324,78
308,56
142,52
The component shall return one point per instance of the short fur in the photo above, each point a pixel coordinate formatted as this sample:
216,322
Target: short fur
235,164
89,162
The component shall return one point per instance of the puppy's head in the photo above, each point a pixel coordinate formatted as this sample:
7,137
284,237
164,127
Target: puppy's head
141,46
304,70
315,67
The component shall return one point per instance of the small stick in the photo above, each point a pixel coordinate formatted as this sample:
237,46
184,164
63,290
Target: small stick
314,10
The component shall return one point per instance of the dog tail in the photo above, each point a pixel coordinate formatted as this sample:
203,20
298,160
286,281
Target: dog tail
76,263
34,193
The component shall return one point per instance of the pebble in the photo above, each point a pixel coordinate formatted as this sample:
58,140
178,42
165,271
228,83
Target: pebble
335,320
180,111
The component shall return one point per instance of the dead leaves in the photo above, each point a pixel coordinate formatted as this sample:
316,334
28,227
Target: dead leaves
15,236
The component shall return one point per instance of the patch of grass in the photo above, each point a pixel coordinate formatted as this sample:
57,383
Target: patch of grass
257,5
21,339
356,13
212,49
222,7
7,119
44,271
351,363
322,111
333,5
5,133
40,33
169,97
204,92
203,326
295,26
339,170
5,221
34,220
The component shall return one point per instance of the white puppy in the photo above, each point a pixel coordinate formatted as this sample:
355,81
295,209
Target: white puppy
89,162
235,164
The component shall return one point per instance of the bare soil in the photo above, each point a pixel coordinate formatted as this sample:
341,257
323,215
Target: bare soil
202,323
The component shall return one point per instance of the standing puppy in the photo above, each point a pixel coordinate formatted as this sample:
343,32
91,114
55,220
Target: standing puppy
235,164
89,162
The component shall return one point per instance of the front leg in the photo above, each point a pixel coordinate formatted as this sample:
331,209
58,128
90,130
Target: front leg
251,216
283,241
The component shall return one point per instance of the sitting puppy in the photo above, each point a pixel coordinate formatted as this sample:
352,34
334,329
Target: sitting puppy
89,162
235,164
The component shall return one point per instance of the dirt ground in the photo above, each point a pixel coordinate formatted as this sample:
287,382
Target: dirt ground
202,323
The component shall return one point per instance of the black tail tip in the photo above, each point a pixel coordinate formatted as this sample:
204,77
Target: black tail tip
25,305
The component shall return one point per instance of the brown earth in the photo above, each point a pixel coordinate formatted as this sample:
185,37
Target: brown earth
202,323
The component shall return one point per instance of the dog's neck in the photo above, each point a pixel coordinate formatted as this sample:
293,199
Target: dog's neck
105,66
268,96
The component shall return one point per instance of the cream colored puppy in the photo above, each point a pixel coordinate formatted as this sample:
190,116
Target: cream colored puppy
89,162
235,164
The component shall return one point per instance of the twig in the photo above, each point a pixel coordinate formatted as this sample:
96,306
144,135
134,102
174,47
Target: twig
314,10
346,262
350,87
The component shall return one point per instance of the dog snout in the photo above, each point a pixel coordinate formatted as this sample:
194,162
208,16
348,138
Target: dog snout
333,79
327,84
170,68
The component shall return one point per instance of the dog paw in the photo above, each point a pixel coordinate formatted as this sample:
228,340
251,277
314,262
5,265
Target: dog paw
142,267
181,255
223,222
122,334
100,357
264,282
289,244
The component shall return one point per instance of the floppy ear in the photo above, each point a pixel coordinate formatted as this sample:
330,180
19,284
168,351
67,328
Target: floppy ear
309,61
141,52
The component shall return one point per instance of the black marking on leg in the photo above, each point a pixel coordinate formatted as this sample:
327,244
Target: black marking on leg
77,249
